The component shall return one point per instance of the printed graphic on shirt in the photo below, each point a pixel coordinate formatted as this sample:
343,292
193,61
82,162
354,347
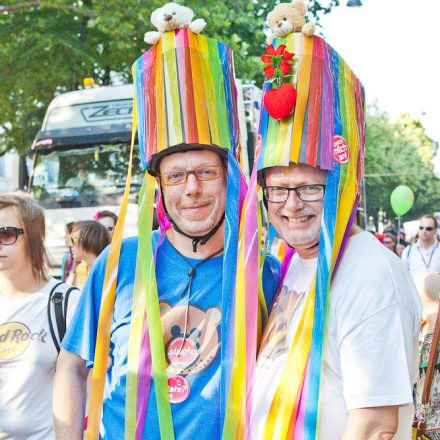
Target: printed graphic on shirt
275,339
15,338
192,351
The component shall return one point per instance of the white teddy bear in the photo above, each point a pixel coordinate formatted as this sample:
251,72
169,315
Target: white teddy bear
172,16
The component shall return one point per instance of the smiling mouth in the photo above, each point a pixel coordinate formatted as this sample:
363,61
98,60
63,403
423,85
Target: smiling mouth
195,207
296,220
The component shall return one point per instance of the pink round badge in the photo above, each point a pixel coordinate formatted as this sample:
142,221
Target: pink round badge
178,387
182,357
341,151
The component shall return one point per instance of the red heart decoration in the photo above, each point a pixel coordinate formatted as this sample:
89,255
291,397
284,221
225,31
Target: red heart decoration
280,103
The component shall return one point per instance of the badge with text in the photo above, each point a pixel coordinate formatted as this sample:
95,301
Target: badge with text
341,151
182,353
178,387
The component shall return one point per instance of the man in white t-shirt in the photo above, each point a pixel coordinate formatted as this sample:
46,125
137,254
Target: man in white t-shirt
359,385
424,255
370,354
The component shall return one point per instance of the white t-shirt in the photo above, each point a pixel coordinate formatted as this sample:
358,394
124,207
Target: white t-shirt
371,345
420,260
27,365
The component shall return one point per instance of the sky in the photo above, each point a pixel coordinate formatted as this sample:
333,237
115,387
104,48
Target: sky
393,47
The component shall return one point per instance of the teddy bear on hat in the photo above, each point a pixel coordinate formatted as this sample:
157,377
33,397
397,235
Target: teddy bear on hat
279,64
287,18
172,16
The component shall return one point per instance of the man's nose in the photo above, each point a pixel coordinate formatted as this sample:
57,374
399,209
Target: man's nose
293,202
192,185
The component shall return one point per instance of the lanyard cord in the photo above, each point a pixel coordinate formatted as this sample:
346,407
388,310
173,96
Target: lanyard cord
430,257
191,274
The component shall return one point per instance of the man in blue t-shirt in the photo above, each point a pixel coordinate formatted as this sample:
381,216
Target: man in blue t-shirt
189,284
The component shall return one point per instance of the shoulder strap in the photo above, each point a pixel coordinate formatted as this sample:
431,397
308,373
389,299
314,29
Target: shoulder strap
431,361
55,302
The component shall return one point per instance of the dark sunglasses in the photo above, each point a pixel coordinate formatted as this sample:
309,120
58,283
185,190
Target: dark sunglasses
426,228
9,235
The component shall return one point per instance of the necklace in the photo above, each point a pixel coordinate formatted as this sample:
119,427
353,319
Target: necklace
427,264
191,274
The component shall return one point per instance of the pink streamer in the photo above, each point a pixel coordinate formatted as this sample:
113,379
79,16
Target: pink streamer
252,247
162,218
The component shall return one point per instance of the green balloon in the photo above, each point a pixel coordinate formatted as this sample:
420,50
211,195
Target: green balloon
402,199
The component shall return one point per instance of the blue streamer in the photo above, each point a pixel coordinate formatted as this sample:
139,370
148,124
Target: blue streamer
323,276
232,216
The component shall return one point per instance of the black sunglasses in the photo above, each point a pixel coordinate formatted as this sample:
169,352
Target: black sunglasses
9,235
427,228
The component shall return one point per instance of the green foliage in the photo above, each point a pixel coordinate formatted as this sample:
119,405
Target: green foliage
399,153
48,47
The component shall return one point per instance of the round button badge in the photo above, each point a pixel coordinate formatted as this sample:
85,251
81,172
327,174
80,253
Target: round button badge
341,150
179,388
182,355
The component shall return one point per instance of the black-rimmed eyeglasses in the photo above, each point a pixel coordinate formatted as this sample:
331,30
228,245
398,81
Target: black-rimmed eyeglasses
306,193
9,235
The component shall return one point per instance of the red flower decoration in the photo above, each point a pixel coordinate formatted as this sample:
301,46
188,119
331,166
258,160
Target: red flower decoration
270,50
285,67
269,71
287,55
278,63
280,49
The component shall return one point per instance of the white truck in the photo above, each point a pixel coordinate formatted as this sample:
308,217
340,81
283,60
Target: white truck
80,157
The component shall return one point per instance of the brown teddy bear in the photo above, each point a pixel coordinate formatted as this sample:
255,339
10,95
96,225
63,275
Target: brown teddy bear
287,18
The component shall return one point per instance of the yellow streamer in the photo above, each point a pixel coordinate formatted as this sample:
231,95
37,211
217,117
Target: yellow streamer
107,305
289,388
302,98
199,92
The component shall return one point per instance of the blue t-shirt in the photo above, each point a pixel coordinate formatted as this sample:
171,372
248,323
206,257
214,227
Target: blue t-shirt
193,361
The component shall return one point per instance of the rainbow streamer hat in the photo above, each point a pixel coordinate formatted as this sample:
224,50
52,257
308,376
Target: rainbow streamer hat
326,130
329,109
186,97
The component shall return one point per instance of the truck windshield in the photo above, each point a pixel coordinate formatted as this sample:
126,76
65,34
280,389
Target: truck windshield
88,176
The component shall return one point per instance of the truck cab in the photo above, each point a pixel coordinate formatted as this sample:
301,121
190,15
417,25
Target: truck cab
80,160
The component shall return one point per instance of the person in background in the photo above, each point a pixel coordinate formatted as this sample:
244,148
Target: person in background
424,255
428,286
67,262
390,240
108,219
401,246
28,353
89,238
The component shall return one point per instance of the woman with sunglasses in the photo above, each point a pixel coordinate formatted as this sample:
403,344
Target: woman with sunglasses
89,238
27,351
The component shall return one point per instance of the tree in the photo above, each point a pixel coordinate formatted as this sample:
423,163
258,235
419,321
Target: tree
399,153
49,46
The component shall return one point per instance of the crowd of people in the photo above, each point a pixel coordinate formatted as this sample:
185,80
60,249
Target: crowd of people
191,328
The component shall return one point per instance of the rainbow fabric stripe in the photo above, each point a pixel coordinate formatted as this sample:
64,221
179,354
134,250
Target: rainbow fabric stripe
186,94
330,106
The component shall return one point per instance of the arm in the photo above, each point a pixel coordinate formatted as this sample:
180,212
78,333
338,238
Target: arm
378,423
69,396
